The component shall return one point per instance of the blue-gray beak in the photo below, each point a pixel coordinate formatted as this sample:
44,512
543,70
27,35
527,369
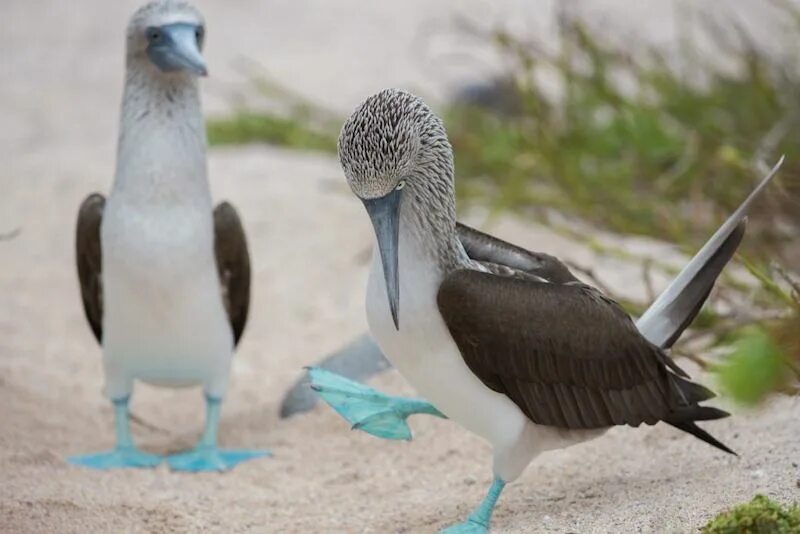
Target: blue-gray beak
176,47
384,213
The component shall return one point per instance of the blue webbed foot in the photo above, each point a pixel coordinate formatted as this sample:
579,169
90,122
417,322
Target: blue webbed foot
366,409
467,527
205,458
116,458
478,521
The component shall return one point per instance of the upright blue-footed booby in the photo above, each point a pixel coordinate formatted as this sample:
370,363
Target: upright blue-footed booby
505,342
165,277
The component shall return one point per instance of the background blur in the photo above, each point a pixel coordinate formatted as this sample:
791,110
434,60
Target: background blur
614,134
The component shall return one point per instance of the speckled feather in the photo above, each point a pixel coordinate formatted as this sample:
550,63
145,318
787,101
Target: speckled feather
394,136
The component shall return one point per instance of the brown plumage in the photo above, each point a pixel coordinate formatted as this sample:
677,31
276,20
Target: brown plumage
489,249
230,247
233,265
578,362
88,255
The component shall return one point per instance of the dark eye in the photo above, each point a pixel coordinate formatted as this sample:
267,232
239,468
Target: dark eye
153,35
199,33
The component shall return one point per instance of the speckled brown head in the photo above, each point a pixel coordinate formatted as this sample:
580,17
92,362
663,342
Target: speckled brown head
397,159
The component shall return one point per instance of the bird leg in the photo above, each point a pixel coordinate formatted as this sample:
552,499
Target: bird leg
366,409
478,521
206,456
125,454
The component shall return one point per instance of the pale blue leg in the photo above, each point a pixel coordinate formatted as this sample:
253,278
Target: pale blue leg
206,456
125,454
478,521
366,409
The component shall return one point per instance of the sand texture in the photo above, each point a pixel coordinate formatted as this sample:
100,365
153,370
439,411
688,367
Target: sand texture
60,84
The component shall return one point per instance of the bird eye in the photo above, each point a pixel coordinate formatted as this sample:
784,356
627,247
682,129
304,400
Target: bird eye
153,35
400,185
199,33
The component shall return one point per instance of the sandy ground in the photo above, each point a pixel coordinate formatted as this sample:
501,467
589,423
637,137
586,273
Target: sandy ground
60,81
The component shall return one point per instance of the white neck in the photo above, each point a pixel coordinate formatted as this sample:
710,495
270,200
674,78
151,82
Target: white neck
161,151
429,233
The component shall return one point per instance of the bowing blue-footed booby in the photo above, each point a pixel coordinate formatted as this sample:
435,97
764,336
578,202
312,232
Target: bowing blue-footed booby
505,342
165,277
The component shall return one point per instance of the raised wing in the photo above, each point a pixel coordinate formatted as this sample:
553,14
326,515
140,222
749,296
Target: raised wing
489,249
89,257
567,356
233,265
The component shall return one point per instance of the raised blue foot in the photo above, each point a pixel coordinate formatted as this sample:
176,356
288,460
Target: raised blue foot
366,409
211,459
116,458
206,456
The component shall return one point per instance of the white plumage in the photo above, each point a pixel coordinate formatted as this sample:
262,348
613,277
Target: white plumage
164,320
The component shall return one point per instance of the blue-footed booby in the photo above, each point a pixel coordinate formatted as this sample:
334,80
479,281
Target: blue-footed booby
513,349
165,277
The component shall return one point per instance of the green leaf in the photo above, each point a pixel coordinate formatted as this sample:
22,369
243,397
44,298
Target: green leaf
755,368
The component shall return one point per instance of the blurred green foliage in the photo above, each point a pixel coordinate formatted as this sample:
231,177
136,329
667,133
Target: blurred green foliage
669,155
759,516
297,123
249,127
756,368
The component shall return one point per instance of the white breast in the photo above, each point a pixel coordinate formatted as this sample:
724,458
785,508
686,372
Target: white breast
424,351
164,320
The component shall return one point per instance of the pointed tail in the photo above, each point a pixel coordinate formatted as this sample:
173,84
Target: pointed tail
673,311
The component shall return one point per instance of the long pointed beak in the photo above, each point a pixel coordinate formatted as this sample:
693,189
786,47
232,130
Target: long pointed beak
384,212
178,49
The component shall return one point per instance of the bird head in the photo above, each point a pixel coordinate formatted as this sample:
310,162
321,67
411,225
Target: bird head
394,152
168,34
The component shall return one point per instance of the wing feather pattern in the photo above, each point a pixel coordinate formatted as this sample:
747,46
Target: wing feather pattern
489,249
566,355
233,265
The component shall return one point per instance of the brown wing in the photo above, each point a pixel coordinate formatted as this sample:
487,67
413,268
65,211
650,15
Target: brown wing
89,257
489,249
566,355
233,265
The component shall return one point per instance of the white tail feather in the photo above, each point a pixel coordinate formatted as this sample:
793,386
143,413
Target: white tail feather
665,316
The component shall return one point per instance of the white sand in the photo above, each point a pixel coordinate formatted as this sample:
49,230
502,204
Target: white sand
60,82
